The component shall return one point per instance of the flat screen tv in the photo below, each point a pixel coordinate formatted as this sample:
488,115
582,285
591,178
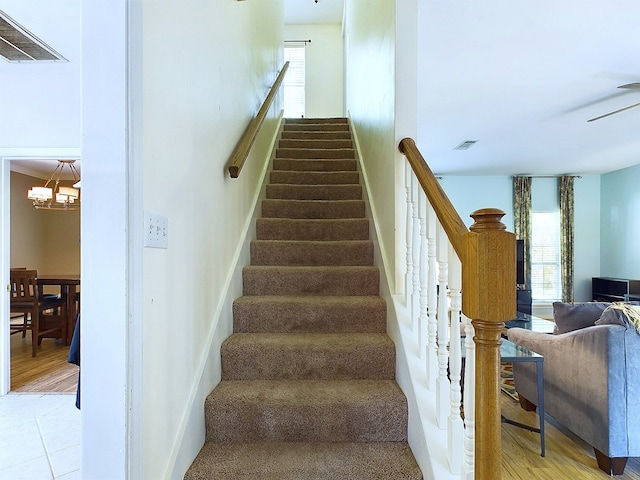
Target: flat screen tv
520,262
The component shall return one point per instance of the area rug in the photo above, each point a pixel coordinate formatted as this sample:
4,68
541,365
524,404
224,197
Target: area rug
506,380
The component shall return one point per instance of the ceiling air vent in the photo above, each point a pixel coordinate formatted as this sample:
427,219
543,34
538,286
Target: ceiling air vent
17,44
466,145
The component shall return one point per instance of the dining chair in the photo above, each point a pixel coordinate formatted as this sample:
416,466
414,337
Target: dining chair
46,313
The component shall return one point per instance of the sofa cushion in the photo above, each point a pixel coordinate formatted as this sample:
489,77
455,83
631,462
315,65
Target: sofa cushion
574,316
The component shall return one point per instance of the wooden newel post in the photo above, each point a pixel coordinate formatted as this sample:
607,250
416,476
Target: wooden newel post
489,299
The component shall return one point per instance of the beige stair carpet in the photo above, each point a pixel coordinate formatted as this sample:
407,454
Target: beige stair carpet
308,387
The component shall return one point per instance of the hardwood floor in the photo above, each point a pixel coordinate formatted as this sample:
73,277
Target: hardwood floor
567,457
49,372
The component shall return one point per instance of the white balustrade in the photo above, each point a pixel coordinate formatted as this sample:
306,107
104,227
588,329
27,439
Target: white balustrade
433,291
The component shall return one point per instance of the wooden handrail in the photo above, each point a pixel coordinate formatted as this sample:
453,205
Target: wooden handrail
241,152
446,213
487,252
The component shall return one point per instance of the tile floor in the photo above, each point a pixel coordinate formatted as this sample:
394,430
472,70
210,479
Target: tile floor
39,437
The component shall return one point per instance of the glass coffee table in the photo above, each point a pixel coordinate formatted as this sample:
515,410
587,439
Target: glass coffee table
510,352
531,322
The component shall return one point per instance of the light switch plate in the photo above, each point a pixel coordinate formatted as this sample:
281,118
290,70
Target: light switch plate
155,230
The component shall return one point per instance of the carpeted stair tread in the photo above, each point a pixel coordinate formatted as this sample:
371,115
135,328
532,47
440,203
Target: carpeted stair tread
314,178
301,252
306,411
315,165
308,356
308,388
284,208
315,135
315,153
305,461
310,280
314,192
312,229
304,313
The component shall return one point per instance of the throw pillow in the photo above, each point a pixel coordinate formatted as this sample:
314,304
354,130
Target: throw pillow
574,316
625,314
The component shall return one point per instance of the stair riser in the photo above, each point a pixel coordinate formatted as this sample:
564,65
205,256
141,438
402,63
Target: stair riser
314,178
307,165
277,252
273,208
314,143
316,127
314,192
305,461
285,357
282,314
259,280
314,153
276,414
312,229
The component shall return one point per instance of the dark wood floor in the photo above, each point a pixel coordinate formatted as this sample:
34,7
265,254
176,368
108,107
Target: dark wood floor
48,372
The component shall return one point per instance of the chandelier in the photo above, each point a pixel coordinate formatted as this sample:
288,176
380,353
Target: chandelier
52,196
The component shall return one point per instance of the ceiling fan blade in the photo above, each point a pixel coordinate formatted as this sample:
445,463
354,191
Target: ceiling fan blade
632,86
616,111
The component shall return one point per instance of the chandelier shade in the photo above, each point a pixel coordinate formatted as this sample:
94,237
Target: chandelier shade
57,197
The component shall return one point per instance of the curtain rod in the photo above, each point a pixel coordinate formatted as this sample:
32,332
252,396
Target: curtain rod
298,41
546,176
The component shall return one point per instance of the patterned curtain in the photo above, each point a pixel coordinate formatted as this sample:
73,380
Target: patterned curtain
566,237
522,220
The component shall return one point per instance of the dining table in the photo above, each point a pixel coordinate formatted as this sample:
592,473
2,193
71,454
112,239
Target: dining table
68,284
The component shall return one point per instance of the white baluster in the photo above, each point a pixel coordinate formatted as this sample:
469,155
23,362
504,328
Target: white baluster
408,278
432,301
469,402
455,427
424,271
415,297
442,383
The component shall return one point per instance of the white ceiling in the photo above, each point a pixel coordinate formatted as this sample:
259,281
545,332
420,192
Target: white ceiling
42,168
523,78
307,12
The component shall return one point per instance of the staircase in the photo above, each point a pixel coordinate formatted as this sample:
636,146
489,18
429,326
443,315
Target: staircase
308,389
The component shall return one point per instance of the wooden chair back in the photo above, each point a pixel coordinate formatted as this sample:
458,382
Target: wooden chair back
27,298
24,286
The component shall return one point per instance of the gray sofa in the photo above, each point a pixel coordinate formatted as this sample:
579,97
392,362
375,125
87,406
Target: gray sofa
591,378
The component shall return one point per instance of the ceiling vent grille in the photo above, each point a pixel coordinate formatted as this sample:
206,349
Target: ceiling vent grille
17,44
466,145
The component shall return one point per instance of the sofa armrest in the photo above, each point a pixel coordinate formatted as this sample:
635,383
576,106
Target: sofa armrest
585,381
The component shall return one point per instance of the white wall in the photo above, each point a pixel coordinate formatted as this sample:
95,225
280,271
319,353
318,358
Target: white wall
323,68
160,121
196,103
371,90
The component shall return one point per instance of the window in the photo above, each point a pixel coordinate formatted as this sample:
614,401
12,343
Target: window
294,81
545,256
